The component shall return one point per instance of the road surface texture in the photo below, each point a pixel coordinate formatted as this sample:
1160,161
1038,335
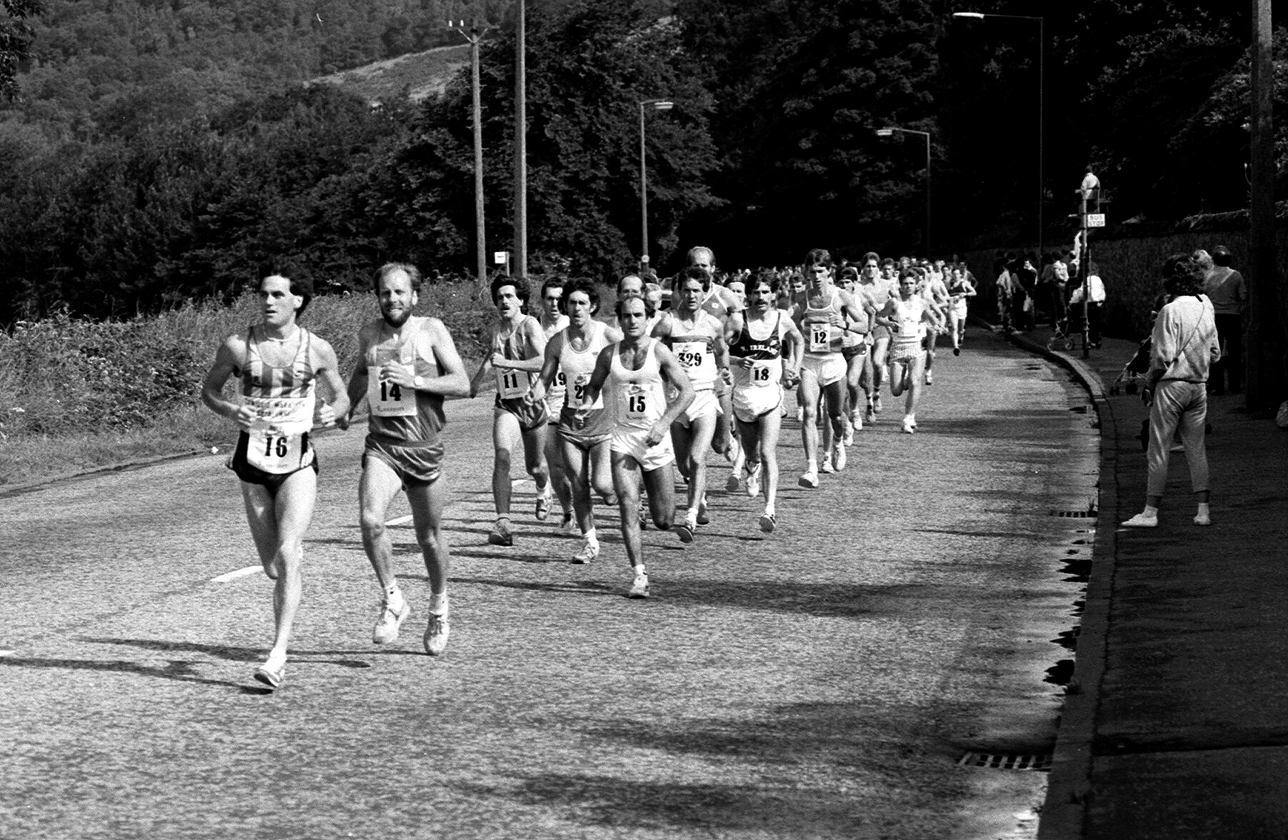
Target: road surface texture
822,681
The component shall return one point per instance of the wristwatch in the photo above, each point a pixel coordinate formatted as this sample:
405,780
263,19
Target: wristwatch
418,382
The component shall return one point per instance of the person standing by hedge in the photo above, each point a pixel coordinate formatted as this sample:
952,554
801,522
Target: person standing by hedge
277,364
1229,296
1184,347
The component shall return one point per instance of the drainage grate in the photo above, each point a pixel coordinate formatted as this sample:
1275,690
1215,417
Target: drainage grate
1007,761
1075,514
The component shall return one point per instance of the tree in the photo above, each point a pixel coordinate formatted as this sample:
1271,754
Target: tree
15,41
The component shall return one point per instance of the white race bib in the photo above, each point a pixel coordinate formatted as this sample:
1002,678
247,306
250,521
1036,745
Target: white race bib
635,401
388,399
277,436
820,336
690,354
511,384
762,374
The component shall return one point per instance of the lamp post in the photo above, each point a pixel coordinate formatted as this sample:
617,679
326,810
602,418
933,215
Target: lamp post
645,105
520,143
1041,90
888,132
480,239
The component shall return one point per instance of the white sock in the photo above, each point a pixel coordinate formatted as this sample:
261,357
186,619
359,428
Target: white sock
639,570
1204,510
591,537
393,595
1150,510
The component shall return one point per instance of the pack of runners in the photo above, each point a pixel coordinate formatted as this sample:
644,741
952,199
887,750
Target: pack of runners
600,407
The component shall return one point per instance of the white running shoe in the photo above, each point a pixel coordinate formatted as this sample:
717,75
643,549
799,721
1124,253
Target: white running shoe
848,438
768,522
587,553
1142,520
876,404
826,467
909,427
436,633
809,479
930,379
856,421
751,480
569,527
272,672
639,587
838,457
731,483
390,620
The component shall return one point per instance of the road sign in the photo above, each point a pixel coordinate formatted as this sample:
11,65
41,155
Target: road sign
1095,220
500,257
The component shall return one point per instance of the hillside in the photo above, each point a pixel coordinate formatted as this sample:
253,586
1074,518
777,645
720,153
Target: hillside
417,76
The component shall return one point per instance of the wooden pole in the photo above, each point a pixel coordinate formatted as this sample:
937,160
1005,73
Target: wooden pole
1265,345
520,146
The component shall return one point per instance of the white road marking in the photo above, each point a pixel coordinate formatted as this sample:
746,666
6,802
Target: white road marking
249,570
401,520
4,653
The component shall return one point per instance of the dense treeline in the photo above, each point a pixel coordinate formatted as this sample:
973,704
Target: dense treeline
160,153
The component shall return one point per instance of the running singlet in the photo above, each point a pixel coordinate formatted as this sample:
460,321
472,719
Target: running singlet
513,384
555,393
766,355
821,337
283,399
719,302
909,316
640,397
694,347
400,414
578,365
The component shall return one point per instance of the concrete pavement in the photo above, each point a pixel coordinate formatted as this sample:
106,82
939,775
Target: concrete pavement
1176,720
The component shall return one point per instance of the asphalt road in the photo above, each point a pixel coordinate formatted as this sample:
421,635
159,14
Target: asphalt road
822,681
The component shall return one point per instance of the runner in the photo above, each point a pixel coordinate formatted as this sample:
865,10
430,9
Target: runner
553,320
959,288
584,427
820,314
277,364
854,347
880,289
757,340
636,372
520,416
406,365
697,339
720,303
935,292
907,317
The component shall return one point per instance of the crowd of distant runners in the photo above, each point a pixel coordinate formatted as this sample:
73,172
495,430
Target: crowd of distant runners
601,407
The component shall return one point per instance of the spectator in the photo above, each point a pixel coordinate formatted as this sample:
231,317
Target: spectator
1229,295
1184,346
1095,292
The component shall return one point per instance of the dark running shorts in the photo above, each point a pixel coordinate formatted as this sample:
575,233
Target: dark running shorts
416,463
254,475
530,413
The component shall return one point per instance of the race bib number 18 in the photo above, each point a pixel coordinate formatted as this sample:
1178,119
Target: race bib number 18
761,373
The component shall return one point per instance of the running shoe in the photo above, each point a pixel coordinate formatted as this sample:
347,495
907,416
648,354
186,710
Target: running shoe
909,427
751,479
272,672
686,529
1203,519
703,519
957,351
501,534
588,552
838,457
930,378
731,483
826,467
768,522
639,587
856,421
1142,520
871,414
543,506
389,621
436,633
569,526
809,479
876,404
848,438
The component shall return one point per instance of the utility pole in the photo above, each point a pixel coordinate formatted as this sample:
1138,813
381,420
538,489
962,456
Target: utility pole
480,238
1265,348
520,146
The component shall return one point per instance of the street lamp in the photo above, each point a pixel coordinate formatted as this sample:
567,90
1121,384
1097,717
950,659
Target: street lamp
646,105
1041,85
889,132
